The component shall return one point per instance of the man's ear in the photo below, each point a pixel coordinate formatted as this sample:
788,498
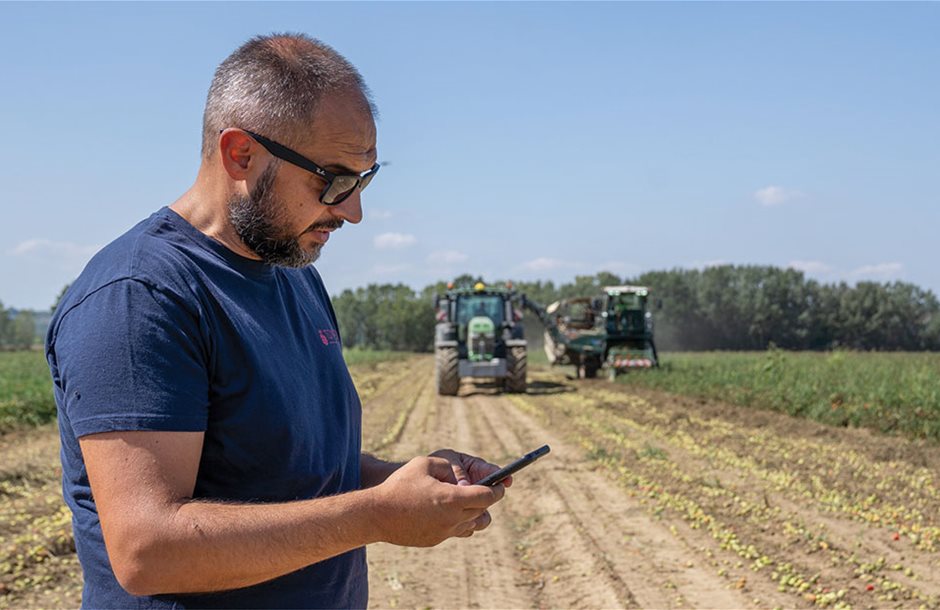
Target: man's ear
237,150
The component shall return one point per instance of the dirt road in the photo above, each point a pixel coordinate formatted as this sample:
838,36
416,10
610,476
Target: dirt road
646,501
654,501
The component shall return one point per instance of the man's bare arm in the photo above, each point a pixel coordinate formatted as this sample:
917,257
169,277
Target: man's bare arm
374,470
160,540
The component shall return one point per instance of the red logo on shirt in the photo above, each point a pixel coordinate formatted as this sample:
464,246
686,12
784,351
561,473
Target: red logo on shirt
329,336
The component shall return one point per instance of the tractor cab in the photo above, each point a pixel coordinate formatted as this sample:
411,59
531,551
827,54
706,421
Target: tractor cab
479,316
626,311
629,326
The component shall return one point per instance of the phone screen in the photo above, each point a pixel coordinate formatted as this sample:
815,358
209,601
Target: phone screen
500,475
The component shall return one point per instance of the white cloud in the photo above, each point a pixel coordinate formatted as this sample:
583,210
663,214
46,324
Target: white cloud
813,267
712,263
447,257
545,264
390,269
619,267
65,255
377,214
775,195
393,241
878,271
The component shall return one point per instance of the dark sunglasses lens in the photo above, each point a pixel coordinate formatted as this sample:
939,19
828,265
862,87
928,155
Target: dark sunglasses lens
341,188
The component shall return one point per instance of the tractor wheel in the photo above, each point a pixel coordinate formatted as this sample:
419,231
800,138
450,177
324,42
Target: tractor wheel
446,372
516,365
588,369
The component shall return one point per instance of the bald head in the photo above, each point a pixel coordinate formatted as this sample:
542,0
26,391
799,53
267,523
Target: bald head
274,85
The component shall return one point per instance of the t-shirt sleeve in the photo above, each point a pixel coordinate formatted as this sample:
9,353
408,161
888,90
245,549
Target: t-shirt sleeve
130,357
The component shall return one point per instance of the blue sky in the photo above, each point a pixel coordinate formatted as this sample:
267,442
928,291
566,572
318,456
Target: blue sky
527,140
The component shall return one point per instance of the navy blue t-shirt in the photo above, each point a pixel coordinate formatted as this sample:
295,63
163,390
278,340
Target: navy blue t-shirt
167,329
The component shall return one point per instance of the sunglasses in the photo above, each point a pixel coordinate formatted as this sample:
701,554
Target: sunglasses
338,186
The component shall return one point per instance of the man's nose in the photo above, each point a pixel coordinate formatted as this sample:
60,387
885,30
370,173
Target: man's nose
350,209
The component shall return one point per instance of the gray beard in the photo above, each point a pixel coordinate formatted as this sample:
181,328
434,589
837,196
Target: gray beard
255,219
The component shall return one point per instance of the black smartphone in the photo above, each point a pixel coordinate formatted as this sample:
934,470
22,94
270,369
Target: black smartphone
500,475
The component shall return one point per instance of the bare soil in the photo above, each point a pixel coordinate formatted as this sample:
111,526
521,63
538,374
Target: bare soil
647,500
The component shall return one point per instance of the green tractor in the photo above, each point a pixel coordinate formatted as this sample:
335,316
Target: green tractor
613,332
479,335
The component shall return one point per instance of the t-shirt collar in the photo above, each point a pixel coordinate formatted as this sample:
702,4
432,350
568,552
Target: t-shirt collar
249,266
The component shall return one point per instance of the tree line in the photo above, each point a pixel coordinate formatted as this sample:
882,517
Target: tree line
17,329
728,307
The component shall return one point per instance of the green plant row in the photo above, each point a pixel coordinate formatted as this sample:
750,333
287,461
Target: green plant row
888,392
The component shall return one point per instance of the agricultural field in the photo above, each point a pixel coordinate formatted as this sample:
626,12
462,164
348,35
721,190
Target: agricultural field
897,393
649,499
25,390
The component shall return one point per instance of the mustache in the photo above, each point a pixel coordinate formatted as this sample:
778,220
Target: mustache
334,224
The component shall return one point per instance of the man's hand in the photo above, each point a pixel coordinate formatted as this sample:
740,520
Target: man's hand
468,469
421,503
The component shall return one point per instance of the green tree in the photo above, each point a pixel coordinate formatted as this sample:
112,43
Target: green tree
22,330
723,307
4,326
385,316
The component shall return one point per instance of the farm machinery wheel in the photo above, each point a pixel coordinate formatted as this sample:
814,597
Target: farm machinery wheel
588,368
516,365
445,371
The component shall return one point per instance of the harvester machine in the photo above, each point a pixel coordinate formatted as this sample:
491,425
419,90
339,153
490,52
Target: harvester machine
613,332
479,335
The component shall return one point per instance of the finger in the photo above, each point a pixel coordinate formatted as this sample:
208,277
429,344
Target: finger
440,469
465,529
456,459
470,515
485,496
483,521
460,474
480,497
479,468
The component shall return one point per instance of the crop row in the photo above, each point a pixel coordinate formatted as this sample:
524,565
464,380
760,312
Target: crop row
887,392
759,502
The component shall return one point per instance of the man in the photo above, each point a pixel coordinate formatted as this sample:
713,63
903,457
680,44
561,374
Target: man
210,429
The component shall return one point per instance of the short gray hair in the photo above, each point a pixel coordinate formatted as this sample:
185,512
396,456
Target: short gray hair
273,84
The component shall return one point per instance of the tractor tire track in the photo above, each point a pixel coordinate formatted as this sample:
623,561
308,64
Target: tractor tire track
647,563
573,576
477,572
566,535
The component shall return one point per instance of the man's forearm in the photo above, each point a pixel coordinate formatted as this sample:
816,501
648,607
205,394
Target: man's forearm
373,471
206,546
